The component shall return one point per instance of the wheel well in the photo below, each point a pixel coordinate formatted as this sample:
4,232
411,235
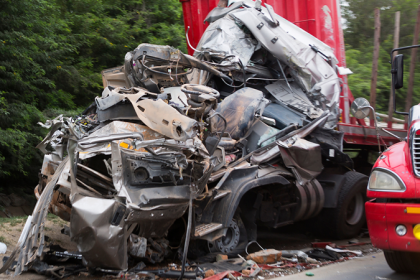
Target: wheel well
331,180
226,207
267,205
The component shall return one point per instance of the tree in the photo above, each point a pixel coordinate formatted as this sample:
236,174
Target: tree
31,49
51,56
358,37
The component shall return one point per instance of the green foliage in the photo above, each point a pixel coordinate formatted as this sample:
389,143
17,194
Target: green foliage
13,221
30,48
358,36
51,56
359,16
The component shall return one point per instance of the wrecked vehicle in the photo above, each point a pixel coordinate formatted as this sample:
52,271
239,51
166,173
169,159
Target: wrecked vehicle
200,149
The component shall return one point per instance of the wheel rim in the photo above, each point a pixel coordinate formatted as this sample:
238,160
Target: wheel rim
355,209
228,237
230,241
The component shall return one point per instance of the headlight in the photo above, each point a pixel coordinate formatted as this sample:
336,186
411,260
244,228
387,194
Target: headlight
381,180
401,230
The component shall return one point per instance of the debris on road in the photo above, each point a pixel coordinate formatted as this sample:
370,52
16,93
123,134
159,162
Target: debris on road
220,257
166,155
338,250
209,273
265,256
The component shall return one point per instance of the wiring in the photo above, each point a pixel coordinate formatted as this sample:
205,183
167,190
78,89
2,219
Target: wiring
163,73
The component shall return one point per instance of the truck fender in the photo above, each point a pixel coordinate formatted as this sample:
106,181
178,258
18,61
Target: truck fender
239,182
332,184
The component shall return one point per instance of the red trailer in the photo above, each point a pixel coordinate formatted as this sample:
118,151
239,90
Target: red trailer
322,19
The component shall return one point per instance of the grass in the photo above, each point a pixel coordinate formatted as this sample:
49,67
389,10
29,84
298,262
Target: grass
2,239
21,220
13,221
56,220
53,218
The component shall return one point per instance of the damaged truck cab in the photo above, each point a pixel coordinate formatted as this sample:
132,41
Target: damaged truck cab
393,213
201,148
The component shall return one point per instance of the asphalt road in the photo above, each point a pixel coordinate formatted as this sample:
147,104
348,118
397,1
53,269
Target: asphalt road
365,268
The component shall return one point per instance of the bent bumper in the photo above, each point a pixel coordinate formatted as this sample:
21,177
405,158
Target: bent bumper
382,219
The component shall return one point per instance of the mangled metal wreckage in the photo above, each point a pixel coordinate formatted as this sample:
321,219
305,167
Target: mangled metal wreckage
235,134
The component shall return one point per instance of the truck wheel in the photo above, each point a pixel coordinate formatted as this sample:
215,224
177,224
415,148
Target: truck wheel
408,262
347,219
235,239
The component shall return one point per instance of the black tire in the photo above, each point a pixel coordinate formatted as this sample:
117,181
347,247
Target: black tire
348,218
404,262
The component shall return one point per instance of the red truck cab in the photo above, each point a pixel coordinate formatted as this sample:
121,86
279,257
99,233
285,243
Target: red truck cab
393,211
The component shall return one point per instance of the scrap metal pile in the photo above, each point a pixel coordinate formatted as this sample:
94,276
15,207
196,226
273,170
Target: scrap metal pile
259,99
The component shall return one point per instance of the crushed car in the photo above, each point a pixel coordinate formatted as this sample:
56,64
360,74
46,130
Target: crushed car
198,149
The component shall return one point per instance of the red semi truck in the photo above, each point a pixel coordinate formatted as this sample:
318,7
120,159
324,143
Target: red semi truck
393,215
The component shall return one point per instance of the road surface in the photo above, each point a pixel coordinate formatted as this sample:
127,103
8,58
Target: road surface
370,267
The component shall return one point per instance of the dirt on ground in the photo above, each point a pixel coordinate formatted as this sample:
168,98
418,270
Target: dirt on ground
11,228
